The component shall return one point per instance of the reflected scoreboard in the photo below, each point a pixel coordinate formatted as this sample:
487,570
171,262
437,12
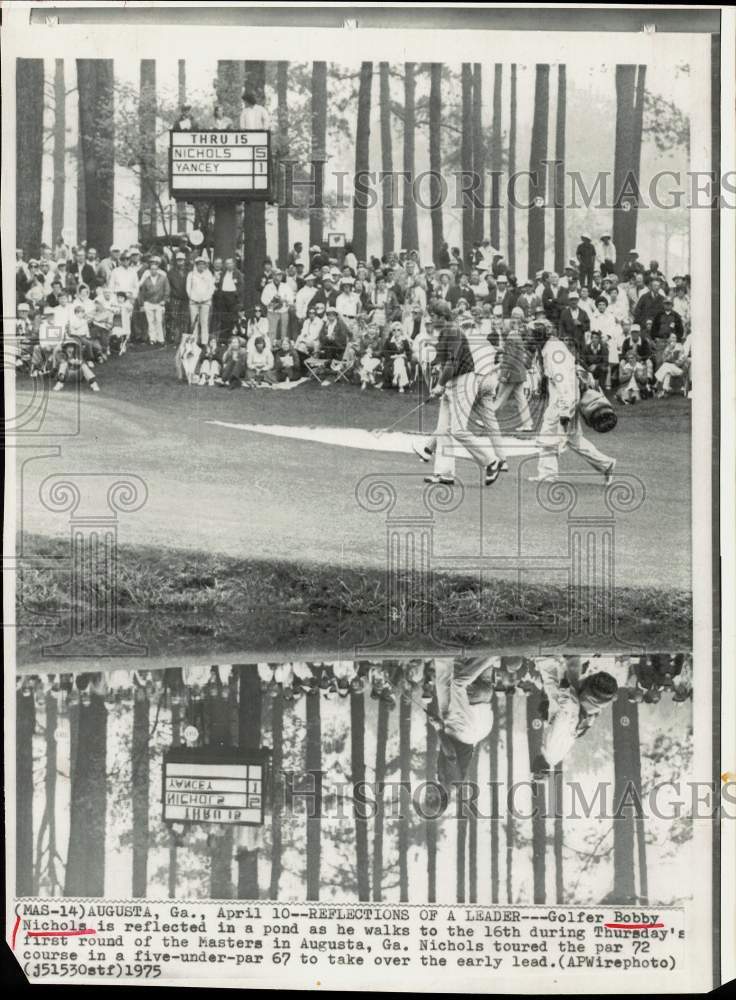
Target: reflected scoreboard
214,786
234,164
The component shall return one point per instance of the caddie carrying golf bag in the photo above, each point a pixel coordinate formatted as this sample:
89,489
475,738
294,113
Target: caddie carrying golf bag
597,412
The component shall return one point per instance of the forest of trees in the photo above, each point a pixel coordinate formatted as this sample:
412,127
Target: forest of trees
316,108
89,760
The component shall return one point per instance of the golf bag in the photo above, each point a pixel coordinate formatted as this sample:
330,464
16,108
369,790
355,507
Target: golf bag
597,412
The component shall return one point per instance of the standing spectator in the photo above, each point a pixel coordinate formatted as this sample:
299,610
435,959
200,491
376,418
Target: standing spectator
585,254
220,121
178,312
154,294
650,304
231,290
667,322
574,322
681,300
107,265
253,115
200,287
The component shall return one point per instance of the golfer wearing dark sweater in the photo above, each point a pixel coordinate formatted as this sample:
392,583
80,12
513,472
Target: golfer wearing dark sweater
457,388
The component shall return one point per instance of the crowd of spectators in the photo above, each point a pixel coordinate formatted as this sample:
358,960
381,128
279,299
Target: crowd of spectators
373,322
646,679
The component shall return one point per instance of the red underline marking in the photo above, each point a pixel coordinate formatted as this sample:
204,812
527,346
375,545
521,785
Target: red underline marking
82,933
15,931
633,927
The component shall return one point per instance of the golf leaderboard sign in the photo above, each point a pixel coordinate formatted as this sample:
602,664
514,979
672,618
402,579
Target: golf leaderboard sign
232,165
208,785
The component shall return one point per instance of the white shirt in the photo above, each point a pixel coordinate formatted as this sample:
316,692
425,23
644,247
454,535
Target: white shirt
124,279
303,297
200,286
255,117
228,281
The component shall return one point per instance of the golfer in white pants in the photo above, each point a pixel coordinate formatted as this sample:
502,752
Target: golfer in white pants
561,425
457,388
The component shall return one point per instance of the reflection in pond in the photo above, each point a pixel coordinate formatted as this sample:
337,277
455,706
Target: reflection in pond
484,780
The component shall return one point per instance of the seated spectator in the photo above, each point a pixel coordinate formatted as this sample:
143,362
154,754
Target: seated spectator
334,337
209,365
396,359
369,370
44,357
187,358
101,323
673,365
234,362
595,358
71,365
260,363
286,361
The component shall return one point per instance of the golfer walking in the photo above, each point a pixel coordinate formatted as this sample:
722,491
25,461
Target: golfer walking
457,388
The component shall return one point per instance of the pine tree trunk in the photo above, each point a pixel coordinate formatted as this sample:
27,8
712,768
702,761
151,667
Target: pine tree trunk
314,821
319,151
139,782
254,216
405,793
462,840
624,781
221,844
29,103
24,727
173,859
181,210
538,178
623,166
147,227
509,740
496,155
432,824
473,839
95,80
362,161
357,755
511,211
229,89
85,862
478,151
57,204
466,158
387,159
277,764
409,229
435,157
539,833
282,89
560,249
249,737
558,837
378,820
52,716
493,778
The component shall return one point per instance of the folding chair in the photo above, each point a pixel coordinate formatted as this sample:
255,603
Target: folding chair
316,368
343,369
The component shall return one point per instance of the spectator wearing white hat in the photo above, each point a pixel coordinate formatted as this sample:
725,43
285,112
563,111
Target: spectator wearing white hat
154,294
200,287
